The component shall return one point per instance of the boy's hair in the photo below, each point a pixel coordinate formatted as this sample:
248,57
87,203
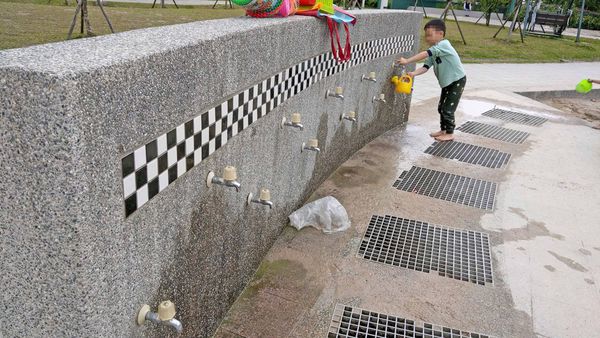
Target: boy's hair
436,24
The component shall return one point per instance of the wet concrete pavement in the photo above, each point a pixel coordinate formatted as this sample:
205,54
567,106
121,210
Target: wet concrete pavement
544,234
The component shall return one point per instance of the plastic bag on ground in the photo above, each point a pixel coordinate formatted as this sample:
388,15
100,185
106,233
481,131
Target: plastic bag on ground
326,214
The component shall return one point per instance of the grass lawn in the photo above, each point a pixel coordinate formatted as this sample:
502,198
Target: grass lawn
29,22
481,47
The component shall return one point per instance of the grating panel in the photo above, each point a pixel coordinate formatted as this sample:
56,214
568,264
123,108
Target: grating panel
349,321
469,153
513,116
448,187
454,253
495,132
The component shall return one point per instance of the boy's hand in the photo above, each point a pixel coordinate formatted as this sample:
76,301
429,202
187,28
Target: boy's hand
402,61
411,74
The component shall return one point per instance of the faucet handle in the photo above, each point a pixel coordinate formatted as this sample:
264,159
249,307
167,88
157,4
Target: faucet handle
166,310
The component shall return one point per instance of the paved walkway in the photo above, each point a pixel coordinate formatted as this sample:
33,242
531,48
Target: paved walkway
513,77
543,232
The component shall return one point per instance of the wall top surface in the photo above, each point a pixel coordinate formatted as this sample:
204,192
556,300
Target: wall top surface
85,55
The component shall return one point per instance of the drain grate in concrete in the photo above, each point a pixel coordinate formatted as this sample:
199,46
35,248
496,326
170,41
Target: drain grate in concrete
349,321
460,254
495,132
469,153
448,187
513,116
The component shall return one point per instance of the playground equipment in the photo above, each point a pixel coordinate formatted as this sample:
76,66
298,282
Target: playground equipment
445,13
558,21
516,22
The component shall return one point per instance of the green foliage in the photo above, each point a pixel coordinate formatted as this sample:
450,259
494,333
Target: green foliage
590,20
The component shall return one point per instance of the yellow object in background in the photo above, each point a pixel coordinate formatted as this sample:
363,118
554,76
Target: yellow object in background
403,84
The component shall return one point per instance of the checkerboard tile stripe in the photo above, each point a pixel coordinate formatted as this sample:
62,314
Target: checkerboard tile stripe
150,169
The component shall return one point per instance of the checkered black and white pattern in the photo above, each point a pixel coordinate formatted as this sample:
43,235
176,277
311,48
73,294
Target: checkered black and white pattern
150,168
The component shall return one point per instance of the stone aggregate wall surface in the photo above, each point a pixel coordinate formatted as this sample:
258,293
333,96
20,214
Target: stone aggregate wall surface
74,263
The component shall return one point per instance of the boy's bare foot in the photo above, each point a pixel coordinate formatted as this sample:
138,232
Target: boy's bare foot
445,137
437,133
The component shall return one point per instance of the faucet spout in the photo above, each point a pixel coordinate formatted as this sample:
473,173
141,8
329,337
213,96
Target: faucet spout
227,183
294,125
312,149
233,184
332,94
174,323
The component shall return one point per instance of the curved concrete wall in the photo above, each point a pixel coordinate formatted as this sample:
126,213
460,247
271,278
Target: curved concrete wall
107,142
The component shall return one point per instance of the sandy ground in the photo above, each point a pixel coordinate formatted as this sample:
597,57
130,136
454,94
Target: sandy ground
583,108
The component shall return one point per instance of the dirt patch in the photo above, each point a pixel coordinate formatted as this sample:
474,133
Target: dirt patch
584,108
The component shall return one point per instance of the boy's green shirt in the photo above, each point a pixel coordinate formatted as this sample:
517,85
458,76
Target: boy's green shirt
446,63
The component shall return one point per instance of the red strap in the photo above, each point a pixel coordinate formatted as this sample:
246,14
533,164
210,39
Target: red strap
332,31
341,54
347,48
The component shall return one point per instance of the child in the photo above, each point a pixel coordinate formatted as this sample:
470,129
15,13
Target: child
449,72
467,7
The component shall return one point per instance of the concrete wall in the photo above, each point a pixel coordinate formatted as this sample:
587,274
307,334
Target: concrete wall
106,144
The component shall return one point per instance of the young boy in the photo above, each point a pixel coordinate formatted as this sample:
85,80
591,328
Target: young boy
449,72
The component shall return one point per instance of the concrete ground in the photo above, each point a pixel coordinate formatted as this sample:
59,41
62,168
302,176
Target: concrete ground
544,234
513,77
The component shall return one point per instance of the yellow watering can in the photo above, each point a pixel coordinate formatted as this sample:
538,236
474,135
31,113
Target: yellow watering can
403,83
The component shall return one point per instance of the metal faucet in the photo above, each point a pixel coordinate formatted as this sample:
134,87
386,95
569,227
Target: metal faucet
164,316
368,78
174,323
334,94
228,183
346,117
259,201
380,98
305,147
293,124
229,178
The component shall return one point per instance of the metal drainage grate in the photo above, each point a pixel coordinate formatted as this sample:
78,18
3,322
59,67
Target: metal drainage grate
495,132
469,153
448,187
459,254
349,321
513,116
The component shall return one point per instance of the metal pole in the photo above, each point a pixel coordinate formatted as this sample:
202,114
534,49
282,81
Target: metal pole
527,10
580,20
